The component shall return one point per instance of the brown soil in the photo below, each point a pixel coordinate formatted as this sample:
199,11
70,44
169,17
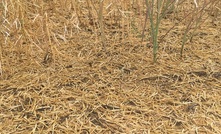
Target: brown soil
80,86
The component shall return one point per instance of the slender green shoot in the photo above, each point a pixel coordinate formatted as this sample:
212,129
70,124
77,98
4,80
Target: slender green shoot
156,10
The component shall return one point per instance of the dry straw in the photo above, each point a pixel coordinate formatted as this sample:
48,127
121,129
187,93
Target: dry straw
57,78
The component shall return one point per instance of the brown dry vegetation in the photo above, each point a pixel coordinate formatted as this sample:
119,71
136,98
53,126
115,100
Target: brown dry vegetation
61,73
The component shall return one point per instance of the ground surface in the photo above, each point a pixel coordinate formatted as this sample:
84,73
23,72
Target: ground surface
80,87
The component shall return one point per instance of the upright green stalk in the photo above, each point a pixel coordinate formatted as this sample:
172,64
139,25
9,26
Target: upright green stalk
162,9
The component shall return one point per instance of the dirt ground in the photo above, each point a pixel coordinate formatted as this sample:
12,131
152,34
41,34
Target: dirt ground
80,86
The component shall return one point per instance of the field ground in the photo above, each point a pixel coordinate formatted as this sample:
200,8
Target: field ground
80,86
